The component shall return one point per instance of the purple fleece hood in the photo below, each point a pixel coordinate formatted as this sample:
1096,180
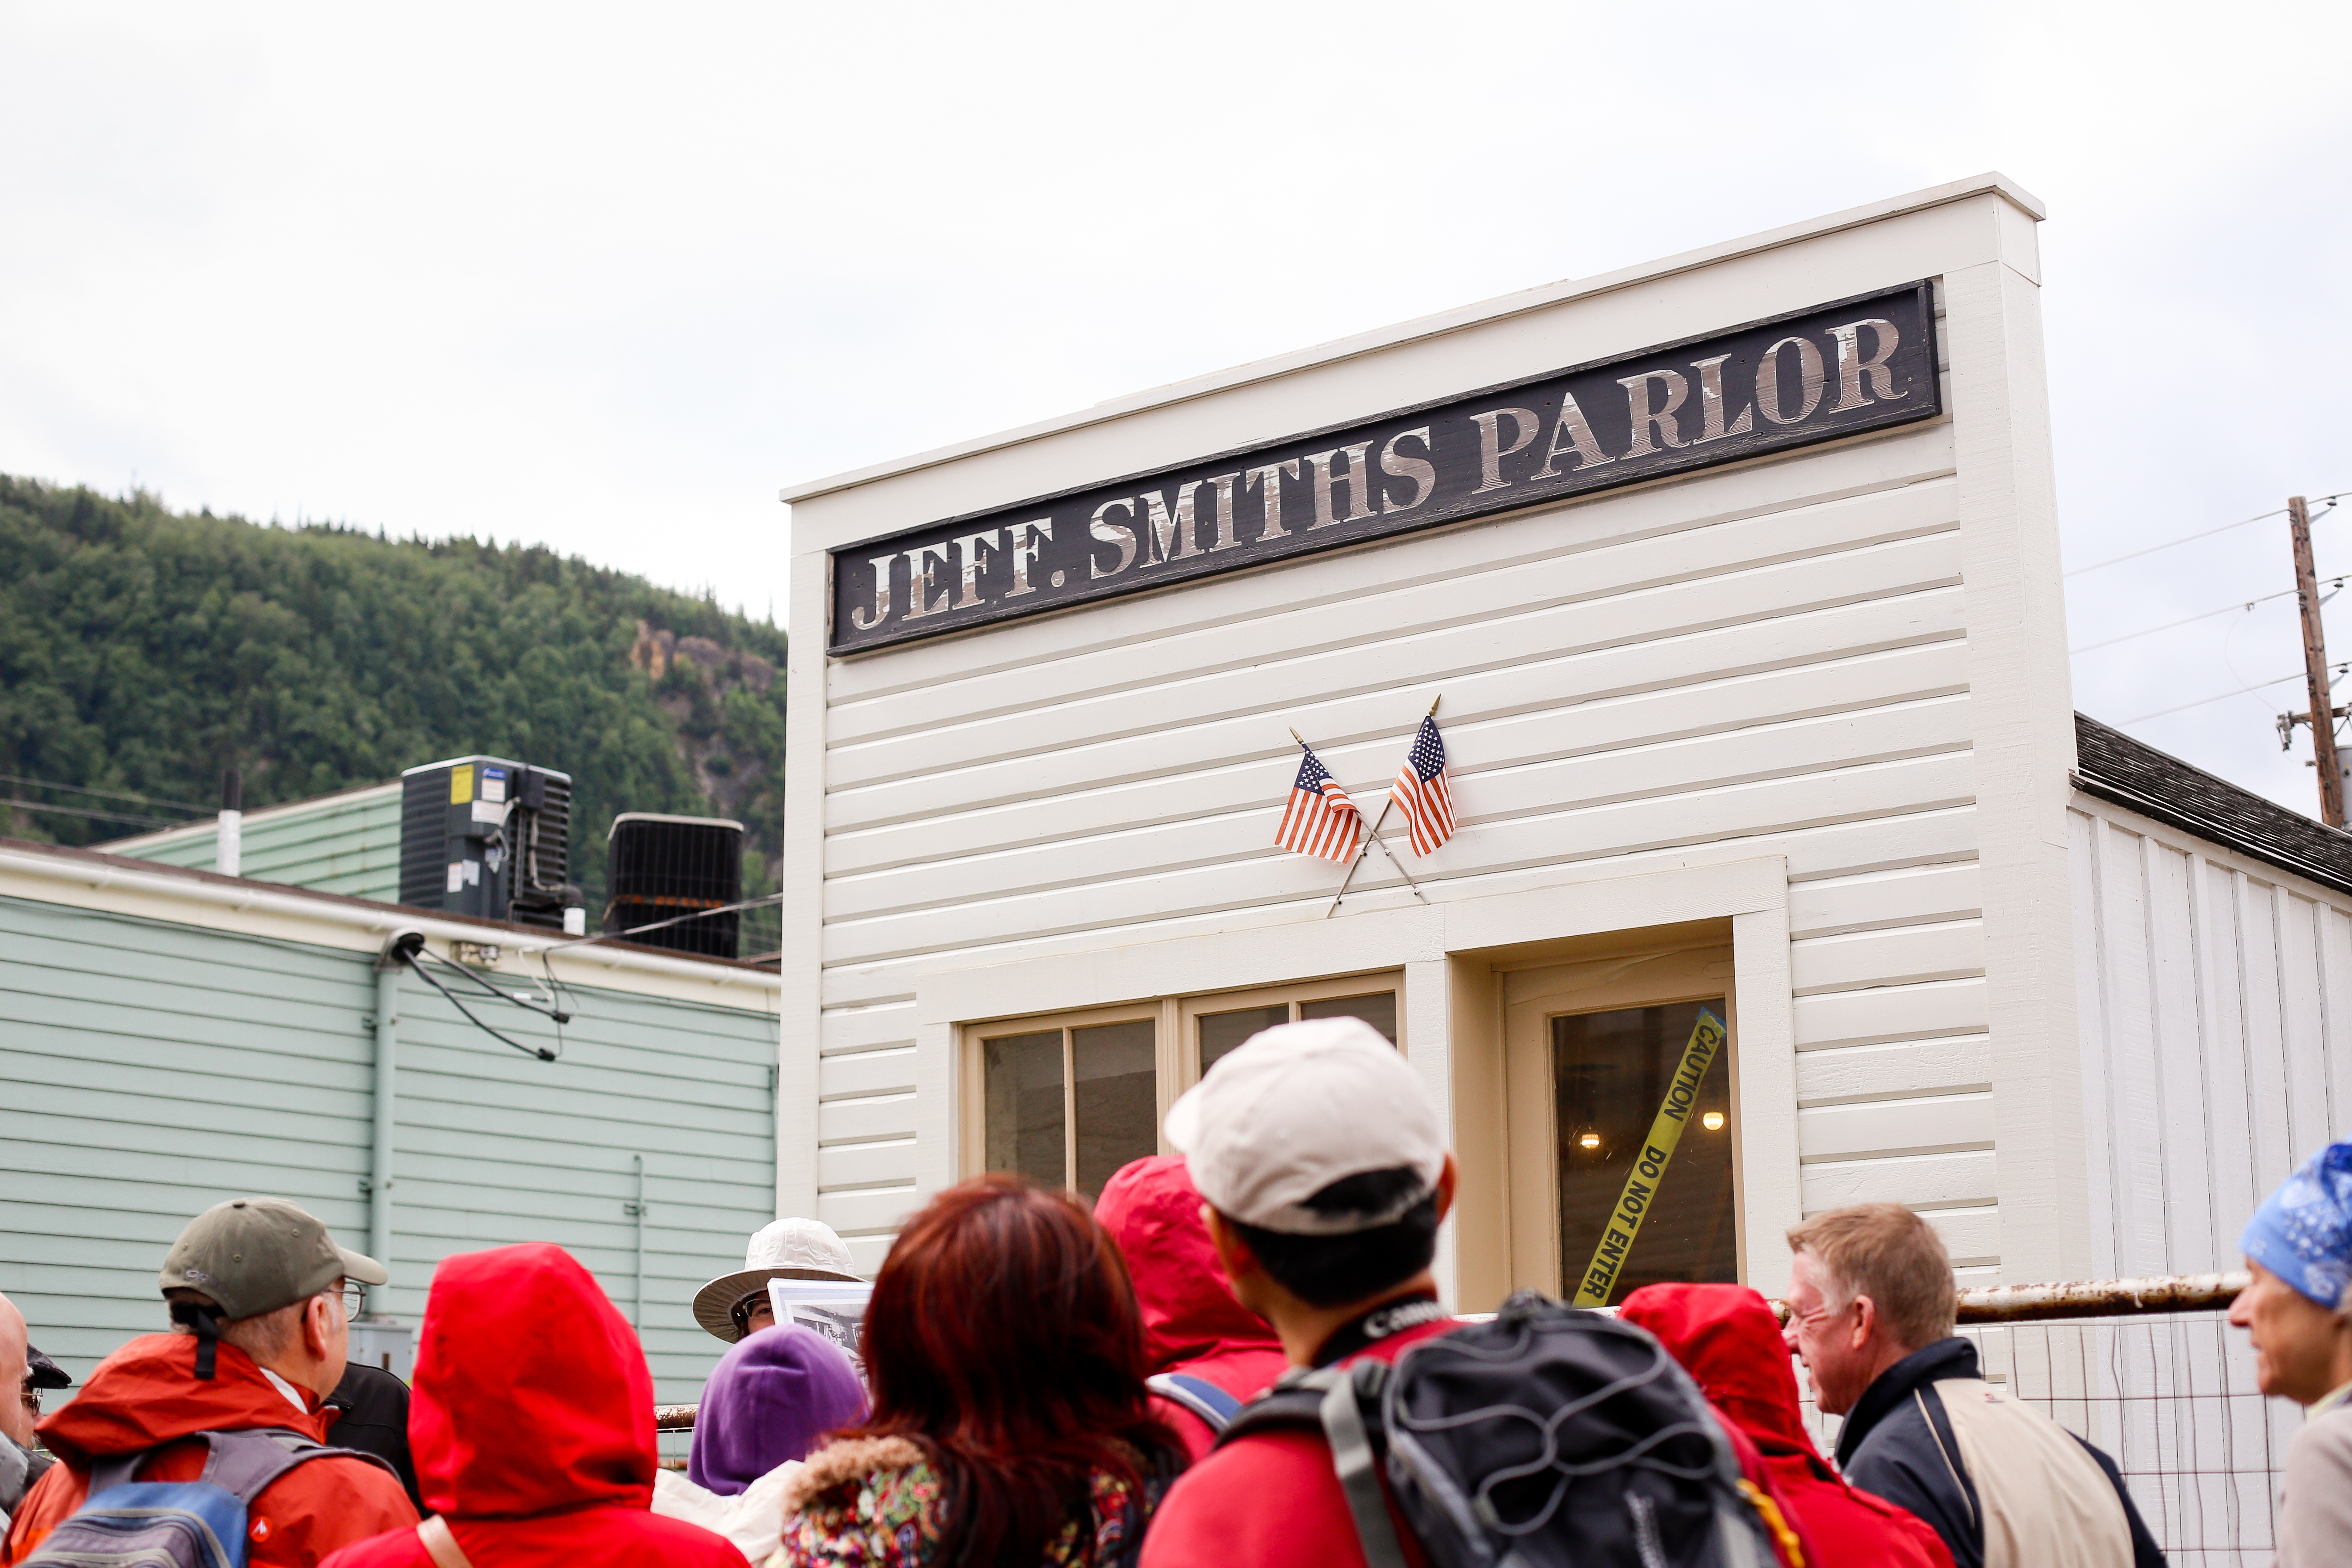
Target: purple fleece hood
769,1400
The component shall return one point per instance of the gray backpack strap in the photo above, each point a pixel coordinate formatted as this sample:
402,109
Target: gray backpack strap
245,1463
1359,1471
114,1470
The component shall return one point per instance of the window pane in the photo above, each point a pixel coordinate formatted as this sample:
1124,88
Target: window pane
1379,1010
1610,1072
1220,1032
1117,1099
1024,1105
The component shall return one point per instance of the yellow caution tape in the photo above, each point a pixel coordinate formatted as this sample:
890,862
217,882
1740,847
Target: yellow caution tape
1707,1042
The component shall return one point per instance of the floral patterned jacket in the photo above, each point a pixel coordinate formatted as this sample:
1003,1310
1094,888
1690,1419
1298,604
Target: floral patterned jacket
877,1503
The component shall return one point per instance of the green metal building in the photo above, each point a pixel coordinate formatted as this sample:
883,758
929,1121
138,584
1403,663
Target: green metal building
170,1038
347,842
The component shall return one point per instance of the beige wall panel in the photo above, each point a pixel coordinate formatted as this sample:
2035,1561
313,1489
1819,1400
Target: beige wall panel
869,1073
866,1029
1922,1180
1929,1124
2211,1035
879,1210
866,1252
1914,895
1938,834
1589,735
1890,1013
1258,782
850,1120
866,1164
1552,837
1706,762
1972,1235
1893,955
1844,1074
1351,730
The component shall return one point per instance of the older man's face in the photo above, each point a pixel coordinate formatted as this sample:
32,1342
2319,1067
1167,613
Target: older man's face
18,1409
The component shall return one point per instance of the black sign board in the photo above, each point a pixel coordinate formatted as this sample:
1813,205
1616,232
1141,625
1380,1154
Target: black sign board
1839,369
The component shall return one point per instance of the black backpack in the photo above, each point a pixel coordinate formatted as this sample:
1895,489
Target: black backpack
1548,1438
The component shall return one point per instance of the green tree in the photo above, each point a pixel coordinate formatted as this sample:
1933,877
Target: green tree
146,650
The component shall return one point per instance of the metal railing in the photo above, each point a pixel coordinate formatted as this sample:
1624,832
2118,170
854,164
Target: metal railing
2148,1369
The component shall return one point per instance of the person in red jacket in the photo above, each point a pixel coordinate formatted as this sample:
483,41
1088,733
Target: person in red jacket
1326,1174
1728,1341
1192,1327
531,1421
256,1287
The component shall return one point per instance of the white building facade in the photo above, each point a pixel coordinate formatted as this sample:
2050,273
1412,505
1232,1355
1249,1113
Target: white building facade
1778,728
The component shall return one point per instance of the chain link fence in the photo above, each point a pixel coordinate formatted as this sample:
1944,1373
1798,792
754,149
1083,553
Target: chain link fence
2150,1371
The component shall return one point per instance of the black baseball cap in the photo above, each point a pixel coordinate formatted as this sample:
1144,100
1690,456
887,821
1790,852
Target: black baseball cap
43,1373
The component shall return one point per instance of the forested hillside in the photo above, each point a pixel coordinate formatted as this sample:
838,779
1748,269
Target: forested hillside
142,651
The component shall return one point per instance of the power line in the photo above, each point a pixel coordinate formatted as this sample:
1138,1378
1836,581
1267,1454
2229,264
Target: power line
108,793
93,816
2201,702
2189,539
2207,615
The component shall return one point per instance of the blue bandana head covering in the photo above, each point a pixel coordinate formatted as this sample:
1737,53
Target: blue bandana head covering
2303,1232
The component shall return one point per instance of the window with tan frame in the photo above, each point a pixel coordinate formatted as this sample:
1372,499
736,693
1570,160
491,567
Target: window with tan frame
1069,1097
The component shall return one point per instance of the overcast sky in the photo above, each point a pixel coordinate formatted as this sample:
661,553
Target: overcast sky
608,276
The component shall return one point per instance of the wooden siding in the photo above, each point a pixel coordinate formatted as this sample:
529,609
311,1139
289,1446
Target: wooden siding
2217,1035
1772,659
346,844
149,1070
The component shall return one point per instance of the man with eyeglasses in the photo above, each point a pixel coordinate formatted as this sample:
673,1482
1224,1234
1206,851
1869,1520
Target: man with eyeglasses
20,1405
260,1300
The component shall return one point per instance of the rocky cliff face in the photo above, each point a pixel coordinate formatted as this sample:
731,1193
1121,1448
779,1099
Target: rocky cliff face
729,705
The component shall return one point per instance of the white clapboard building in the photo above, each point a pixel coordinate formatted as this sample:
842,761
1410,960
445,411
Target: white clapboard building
1735,577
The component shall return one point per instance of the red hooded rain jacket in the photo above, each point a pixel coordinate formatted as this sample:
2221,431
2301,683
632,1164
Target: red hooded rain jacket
1725,1337
1191,1324
532,1425
147,1396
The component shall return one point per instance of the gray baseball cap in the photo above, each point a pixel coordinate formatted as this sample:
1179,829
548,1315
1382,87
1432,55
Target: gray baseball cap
257,1255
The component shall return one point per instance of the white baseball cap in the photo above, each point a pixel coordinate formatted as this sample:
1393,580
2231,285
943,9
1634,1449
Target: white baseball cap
1297,1108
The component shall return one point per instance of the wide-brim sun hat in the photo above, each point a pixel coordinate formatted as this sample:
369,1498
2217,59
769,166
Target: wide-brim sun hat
787,1249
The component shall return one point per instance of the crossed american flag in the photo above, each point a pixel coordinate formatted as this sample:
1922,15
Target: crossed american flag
1320,820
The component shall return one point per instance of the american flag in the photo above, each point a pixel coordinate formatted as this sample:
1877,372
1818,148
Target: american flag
1421,789
1320,819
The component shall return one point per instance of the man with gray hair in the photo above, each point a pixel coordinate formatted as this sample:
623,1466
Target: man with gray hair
1871,1310
260,1298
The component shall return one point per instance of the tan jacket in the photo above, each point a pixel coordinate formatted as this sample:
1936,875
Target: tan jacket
2315,1517
2047,1503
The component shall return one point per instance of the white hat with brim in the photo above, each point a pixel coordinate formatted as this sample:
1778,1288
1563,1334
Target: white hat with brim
787,1249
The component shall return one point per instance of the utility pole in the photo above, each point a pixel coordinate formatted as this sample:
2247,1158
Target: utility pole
2322,713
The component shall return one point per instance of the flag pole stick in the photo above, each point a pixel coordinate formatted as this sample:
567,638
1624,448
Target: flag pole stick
1372,837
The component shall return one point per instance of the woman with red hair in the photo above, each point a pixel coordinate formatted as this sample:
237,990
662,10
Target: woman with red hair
1010,1425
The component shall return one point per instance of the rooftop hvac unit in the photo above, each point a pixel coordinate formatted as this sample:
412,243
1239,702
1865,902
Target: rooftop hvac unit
488,838
661,867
